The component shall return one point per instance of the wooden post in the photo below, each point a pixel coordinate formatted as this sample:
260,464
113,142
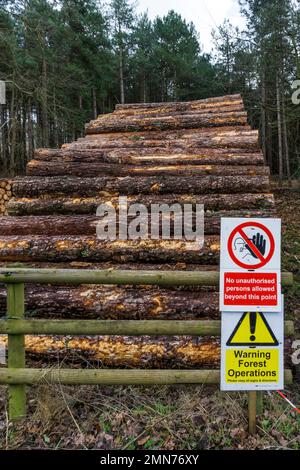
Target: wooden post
259,403
16,351
252,403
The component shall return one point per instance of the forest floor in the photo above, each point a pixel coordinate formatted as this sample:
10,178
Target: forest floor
168,417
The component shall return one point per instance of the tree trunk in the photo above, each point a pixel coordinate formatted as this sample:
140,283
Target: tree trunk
121,69
74,248
286,143
212,202
207,102
279,121
30,130
95,113
270,144
178,110
80,187
13,132
117,303
185,121
55,225
263,114
120,351
155,155
89,169
45,123
144,97
4,138
227,137
55,121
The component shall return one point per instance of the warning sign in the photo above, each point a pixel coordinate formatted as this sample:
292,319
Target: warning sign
252,351
250,289
252,329
250,277
250,366
251,245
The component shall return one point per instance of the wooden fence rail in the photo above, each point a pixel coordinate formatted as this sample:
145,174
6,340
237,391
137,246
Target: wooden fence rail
118,327
16,376
117,277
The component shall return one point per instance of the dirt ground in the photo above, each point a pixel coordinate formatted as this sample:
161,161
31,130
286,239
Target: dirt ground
164,418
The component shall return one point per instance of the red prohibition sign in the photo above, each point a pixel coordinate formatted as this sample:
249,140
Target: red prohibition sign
240,230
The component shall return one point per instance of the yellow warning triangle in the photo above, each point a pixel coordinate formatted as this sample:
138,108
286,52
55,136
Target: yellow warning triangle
252,330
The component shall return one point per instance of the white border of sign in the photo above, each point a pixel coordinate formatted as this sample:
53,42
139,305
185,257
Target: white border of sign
227,265
229,322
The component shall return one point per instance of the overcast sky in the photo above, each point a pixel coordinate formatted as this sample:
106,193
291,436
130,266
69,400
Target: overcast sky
205,14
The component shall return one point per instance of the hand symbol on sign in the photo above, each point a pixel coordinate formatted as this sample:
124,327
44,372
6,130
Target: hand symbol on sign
260,243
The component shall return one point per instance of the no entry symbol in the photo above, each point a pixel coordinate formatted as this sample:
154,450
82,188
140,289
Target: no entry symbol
251,245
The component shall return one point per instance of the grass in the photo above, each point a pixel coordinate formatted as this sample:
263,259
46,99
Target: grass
123,417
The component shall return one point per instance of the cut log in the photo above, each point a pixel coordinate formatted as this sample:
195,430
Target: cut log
174,111
207,102
55,225
157,155
120,351
230,137
109,123
117,303
37,248
68,205
89,169
95,187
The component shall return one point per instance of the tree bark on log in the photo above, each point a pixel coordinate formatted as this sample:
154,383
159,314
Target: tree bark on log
90,169
77,205
117,303
122,351
157,155
169,111
182,106
71,248
101,186
55,225
109,123
228,137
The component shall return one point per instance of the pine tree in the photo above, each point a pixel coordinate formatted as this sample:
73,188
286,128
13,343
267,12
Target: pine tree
123,18
141,65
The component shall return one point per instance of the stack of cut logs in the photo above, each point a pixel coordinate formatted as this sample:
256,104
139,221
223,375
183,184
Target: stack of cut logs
201,152
5,195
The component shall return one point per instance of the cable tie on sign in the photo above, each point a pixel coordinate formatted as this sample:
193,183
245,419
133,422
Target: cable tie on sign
288,401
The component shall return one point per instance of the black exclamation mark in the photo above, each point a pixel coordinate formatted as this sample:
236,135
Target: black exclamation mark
253,317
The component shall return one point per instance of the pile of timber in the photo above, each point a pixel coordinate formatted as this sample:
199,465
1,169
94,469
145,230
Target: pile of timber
5,195
200,152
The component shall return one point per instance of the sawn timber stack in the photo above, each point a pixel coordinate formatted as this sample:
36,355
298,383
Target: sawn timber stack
200,152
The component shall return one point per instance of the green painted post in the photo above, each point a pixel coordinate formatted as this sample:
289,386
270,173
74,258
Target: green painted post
16,351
